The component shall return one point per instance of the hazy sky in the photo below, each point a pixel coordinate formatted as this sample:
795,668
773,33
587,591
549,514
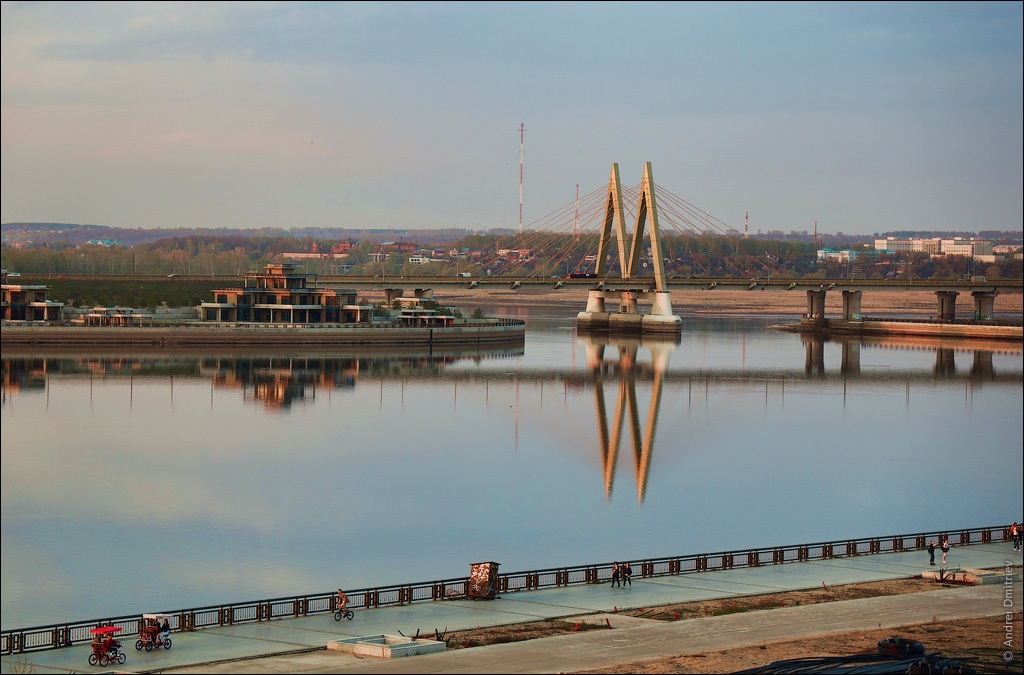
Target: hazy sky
865,117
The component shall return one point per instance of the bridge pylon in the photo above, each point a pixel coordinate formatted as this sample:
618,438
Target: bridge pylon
631,288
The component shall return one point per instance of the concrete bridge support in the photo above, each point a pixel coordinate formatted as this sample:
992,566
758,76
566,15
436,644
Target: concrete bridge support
984,302
661,317
424,294
596,315
392,294
815,304
851,305
628,317
947,304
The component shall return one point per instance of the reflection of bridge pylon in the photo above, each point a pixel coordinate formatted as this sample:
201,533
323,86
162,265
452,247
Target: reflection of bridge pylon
643,444
631,288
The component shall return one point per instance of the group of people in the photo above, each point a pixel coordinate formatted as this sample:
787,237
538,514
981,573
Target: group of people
931,550
621,575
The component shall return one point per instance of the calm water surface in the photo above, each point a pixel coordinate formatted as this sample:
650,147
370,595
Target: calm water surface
137,482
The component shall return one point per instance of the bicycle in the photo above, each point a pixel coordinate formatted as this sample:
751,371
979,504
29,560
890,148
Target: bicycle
344,612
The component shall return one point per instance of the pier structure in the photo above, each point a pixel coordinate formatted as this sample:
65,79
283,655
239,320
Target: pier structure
628,316
984,302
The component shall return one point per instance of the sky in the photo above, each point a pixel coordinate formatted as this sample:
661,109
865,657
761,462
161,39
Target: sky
864,117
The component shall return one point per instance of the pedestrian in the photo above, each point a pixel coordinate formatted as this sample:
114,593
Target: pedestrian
615,574
627,573
945,549
1015,536
931,552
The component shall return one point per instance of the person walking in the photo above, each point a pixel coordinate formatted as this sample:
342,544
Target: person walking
627,574
945,549
931,552
1015,536
615,574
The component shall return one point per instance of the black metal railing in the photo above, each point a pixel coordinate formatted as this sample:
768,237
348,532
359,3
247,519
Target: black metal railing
53,636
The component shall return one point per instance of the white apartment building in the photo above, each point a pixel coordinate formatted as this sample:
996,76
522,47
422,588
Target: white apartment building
957,246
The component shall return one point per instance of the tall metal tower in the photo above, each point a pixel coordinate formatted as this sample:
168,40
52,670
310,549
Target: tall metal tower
522,130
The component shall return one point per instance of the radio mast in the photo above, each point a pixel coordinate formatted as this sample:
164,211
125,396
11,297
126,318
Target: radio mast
746,225
522,129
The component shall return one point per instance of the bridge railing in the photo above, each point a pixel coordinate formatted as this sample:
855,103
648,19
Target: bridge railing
53,636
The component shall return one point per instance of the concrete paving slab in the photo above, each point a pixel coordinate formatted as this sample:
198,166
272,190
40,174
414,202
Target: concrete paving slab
659,639
295,635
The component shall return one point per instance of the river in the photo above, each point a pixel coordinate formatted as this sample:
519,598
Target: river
143,482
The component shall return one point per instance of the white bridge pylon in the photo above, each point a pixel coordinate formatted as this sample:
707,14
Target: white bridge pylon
661,317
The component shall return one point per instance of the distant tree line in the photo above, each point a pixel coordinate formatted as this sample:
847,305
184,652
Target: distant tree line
549,255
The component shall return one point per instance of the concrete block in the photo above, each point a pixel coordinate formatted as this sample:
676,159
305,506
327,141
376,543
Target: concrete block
386,646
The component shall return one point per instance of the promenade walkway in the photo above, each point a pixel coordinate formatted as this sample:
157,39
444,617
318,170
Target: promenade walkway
292,641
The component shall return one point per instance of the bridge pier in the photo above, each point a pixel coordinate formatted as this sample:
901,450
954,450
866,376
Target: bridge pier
661,317
815,304
851,305
629,318
947,305
392,294
984,303
595,316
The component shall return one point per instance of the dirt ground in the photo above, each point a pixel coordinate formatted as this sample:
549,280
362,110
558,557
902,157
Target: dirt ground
972,641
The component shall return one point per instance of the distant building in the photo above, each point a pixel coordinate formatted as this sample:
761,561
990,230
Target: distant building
21,302
114,316
831,255
971,248
398,247
279,295
318,252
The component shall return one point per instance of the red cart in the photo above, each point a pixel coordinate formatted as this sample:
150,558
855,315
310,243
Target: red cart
105,649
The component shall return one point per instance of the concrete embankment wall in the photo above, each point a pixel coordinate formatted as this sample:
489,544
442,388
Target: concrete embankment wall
84,336
924,328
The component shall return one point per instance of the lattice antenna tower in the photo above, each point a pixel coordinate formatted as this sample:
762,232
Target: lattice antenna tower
522,131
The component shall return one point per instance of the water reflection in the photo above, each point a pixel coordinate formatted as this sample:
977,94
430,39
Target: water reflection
945,353
626,370
277,381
